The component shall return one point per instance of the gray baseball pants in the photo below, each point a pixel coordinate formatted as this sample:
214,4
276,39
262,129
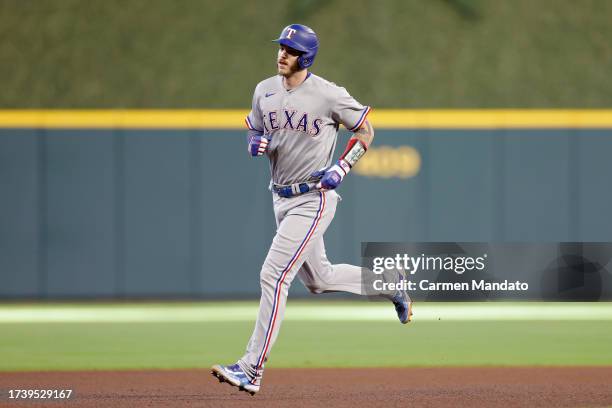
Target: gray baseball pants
297,249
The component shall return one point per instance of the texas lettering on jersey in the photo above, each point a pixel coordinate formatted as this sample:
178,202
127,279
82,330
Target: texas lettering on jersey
301,124
291,120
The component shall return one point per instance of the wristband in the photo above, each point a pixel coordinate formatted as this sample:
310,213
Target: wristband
355,149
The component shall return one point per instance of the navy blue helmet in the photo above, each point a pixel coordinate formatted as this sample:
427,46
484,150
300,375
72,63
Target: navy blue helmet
301,38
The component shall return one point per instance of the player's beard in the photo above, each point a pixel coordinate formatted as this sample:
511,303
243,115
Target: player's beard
289,69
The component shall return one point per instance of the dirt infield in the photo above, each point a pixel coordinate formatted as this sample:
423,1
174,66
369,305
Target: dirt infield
372,387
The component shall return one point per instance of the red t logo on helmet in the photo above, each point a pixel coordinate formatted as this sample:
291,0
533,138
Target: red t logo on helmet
290,32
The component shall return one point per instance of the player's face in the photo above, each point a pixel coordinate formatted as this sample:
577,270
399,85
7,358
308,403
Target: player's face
287,61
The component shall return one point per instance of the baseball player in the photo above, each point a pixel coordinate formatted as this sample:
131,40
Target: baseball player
294,121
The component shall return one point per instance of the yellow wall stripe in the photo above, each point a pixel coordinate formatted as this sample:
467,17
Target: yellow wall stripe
234,119
124,119
470,119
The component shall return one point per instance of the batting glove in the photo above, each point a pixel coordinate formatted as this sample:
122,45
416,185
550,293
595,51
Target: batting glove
332,176
258,145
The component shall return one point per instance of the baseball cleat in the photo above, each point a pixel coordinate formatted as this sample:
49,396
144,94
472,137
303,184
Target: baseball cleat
234,375
403,306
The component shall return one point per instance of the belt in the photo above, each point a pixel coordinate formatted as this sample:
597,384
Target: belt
293,190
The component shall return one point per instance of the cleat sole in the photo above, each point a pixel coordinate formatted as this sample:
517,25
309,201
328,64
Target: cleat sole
222,379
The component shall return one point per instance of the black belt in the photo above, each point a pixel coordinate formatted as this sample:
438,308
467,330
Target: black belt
293,190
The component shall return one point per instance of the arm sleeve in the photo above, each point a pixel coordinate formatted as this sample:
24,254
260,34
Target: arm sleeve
347,111
254,120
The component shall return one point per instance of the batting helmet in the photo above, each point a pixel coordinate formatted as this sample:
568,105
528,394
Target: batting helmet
301,38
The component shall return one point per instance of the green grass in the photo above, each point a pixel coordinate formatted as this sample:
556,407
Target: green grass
303,342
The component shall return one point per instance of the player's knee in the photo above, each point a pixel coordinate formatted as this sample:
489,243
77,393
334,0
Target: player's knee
265,276
268,276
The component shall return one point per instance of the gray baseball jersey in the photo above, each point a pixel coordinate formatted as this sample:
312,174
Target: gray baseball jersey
302,123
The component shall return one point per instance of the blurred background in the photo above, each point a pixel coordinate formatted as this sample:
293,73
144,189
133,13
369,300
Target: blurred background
390,54
123,171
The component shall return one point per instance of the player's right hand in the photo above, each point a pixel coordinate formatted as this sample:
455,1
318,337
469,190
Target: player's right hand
258,145
332,176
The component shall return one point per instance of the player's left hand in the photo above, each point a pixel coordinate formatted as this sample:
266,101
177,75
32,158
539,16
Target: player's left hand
332,176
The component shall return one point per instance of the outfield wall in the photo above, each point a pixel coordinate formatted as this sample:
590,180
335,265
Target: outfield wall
96,208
